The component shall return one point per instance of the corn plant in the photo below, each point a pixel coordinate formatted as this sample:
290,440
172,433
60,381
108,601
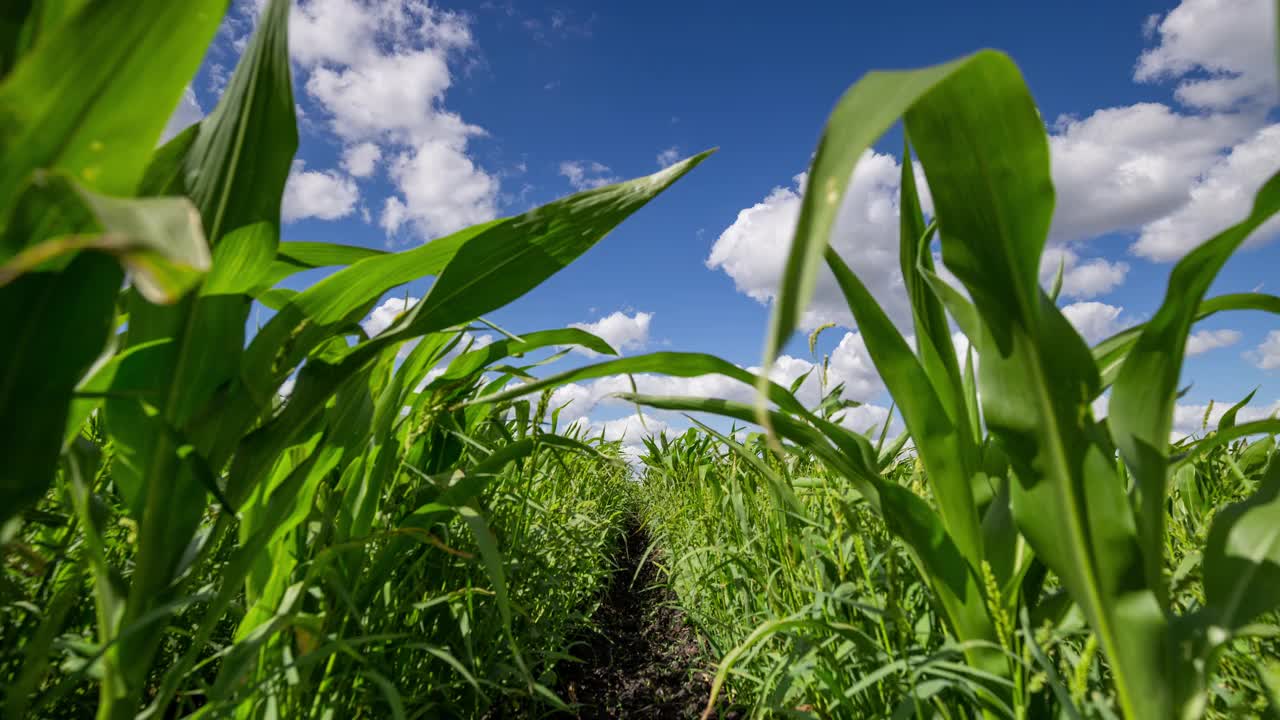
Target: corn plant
129,271
1027,490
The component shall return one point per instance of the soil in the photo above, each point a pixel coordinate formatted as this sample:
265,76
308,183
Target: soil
640,658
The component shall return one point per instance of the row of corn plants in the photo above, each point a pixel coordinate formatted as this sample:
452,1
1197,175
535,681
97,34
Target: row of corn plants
817,611
181,538
1022,511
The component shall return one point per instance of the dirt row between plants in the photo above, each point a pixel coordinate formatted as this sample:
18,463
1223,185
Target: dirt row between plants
640,658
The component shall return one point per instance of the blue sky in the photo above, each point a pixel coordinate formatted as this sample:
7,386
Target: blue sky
420,118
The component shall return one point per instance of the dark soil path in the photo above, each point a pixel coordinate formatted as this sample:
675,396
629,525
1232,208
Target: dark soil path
640,659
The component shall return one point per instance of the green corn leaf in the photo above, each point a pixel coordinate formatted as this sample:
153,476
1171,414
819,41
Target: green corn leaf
297,256
233,168
933,334
1242,556
1142,399
1110,354
986,156
93,96
1269,426
863,113
58,324
940,436
675,364
469,363
159,240
1228,419
479,269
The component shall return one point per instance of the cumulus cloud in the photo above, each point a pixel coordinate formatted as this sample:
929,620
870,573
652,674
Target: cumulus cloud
668,157
386,313
1095,321
585,176
1120,168
380,72
1219,198
361,159
1227,47
1202,341
1267,355
321,194
753,250
623,332
1172,177
1081,278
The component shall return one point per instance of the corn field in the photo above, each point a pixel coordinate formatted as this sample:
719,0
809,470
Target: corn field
410,531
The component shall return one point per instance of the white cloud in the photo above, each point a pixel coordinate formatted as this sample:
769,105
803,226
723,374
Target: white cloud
668,157
1123,167
851,364
623,332
1202,341
585,176
443,190
385,314
1081,278
361,159
1094,320
1267,355
753,250
1174,177
1221,197
1189,419
1227,44
380,71
326,195
187,113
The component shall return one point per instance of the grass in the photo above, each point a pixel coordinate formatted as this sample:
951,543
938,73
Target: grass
409,531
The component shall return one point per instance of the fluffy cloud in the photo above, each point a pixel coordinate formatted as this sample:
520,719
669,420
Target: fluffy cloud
187,112
1267,355
1173,177
753,250
1121,168
1227,43
1221,197
443,191
380,72
386,313
1202,341
1094,320
326,195
1081,278
622,331
360,160
585,176
668,157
